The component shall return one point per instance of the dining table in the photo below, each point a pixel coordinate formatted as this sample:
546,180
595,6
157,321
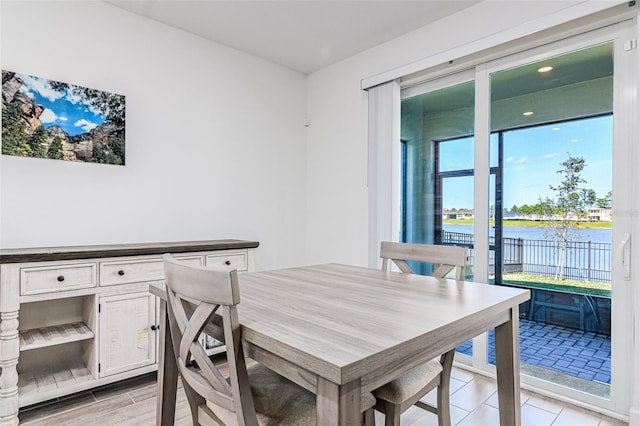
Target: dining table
341,330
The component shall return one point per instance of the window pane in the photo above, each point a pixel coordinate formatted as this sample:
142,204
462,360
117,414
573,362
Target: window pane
456,154
437,150
551,159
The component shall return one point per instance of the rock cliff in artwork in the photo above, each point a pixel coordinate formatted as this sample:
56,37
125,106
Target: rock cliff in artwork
10,86
11,95
25,134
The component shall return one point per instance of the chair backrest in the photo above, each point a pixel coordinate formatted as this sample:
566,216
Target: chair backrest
445,257
194,296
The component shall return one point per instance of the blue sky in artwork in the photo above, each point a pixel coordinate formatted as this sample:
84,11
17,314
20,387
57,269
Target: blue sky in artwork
532,158
61,108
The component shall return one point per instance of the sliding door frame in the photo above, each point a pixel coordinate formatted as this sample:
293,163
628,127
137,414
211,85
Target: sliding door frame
621,361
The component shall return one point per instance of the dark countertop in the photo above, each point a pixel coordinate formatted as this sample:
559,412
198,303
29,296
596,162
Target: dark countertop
42,254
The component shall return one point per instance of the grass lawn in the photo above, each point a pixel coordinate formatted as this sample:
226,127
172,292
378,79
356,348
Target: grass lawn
550,283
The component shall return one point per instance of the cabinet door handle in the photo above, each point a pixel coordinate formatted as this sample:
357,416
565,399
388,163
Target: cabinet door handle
120,272
60,278
228,263
155,327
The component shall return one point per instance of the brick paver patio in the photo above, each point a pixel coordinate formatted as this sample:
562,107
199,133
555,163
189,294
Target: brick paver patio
574,352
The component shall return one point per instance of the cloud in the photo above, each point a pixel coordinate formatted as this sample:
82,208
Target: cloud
549,156
520,160
41,86
85,125
48,116
63,118
74,98
94,110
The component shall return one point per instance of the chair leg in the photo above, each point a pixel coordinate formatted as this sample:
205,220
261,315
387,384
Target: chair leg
444,409
369,417
391,414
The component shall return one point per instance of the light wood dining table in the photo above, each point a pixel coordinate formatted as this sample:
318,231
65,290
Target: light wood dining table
341,330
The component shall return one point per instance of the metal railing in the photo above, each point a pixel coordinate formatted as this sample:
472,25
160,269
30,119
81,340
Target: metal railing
587,261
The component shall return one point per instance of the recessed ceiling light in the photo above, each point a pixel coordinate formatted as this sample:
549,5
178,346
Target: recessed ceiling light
555,129
527,113
545,69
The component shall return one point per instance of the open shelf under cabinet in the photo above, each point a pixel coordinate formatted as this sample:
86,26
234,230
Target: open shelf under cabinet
54,335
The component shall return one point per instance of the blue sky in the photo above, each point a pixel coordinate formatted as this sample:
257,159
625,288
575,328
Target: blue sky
62,108
532,158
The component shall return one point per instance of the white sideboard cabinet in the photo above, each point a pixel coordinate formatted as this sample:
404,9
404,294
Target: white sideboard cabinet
73,318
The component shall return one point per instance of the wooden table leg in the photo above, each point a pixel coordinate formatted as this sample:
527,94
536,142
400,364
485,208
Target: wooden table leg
338,405
508,370
167,373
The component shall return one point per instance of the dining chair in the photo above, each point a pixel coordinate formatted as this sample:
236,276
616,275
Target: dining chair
249,393
407,390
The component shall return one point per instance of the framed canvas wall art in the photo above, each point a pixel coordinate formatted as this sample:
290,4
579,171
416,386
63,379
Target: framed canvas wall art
50,119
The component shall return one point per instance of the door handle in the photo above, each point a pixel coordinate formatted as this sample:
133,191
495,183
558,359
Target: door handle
623,257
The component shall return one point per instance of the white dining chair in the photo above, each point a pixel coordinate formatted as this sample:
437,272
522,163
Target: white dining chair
407,390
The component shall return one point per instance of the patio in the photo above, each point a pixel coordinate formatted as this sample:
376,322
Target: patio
579,354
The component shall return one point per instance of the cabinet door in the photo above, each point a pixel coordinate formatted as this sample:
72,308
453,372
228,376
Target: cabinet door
126,338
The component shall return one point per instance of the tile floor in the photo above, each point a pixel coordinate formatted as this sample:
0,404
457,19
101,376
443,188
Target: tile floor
473,402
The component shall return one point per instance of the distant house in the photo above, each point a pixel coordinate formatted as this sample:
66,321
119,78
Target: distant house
457,214
516,216
599,214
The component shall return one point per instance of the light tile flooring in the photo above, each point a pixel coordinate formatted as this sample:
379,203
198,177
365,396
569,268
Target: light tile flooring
474,402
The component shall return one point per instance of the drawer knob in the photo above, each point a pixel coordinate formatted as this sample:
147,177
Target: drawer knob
228,263
60,278
120,272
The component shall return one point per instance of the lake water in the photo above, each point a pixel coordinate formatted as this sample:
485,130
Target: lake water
537,233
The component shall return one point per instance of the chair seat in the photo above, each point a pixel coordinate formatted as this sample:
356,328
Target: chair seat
410,383
278,401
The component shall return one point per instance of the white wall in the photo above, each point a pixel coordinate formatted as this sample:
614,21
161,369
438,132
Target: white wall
215,142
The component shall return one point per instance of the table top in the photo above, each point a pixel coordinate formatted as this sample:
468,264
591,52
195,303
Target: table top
341,321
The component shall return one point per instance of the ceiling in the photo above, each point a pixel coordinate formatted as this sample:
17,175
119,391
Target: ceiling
303,35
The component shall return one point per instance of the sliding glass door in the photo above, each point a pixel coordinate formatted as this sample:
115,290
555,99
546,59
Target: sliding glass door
523,161
552,226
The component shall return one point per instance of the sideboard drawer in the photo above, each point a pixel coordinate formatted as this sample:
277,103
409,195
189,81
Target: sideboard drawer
136,271
46,279
229,260
132,271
